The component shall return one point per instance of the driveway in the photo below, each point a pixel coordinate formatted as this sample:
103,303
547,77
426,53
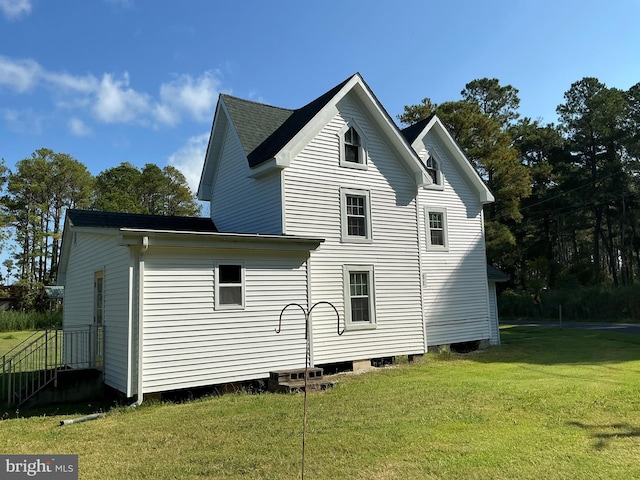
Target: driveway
631,328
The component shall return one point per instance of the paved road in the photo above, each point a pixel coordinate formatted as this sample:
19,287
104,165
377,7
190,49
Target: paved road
631,328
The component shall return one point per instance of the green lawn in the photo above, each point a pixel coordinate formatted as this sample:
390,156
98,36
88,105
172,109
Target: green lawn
548,404
8,340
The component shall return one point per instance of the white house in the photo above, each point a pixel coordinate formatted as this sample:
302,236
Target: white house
330,202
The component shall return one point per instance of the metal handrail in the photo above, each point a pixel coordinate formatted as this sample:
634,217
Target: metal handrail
36,364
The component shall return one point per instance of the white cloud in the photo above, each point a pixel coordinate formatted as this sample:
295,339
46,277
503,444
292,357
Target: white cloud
110,97
116,102
86,84
21,75
189,159
195,97
14,9
78,127
24,121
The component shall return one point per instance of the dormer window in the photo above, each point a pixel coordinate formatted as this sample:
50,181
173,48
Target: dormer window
353,153
352,146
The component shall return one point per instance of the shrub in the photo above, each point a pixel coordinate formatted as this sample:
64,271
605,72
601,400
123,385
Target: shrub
15,320
597,303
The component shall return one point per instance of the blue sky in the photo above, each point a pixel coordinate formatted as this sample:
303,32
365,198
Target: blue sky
109,81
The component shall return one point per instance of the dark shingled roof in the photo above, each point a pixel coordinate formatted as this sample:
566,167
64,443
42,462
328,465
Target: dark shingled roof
412,132
497,275
96,219
264,130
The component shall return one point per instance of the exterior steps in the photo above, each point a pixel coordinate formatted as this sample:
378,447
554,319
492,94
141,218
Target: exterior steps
286,381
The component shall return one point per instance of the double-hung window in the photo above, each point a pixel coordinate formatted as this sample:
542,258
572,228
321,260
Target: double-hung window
359,297
436,221
229,280
356,215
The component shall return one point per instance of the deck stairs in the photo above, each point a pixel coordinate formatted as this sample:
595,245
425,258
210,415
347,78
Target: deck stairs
35,364
285,381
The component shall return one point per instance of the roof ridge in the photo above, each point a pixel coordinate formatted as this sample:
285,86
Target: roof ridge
262,104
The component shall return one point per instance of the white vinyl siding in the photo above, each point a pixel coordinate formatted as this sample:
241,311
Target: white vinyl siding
312,208
455,280
241,204
188,343
92,253
493,314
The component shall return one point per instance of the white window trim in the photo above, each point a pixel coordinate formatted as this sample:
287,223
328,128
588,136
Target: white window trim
349,325
219,306
363,147
445,229
439,185
344,235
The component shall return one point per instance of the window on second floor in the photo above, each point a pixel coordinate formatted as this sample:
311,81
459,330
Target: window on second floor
437,238
355,215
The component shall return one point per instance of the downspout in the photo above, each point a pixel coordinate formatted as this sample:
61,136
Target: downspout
143,249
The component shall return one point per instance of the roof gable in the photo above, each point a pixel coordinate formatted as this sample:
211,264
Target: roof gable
432,125
272,136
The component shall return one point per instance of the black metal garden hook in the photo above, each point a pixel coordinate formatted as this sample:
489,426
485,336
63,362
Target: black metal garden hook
307,314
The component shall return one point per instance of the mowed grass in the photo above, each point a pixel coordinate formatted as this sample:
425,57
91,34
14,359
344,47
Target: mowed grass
548,404
8,340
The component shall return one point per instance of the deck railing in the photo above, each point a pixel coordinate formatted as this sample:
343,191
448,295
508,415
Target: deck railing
35,363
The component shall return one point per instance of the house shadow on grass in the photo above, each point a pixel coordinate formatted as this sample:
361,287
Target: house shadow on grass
602,435
555,346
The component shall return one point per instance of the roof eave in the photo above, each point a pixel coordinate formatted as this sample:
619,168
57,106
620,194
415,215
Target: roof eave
171,238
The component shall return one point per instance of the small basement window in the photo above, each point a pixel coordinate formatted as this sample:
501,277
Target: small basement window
229,286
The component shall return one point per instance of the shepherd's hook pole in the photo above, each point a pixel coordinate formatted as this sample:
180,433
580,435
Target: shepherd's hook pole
307,315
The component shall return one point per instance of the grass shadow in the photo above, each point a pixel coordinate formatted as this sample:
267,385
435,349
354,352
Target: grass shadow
553,346
602,435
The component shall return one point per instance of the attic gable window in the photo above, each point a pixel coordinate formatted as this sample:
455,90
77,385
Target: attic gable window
433,170
352,147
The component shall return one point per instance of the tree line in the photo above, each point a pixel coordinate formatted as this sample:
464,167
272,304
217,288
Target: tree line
38,191
567,211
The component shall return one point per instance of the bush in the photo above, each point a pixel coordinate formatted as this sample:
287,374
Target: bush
15,320
598,303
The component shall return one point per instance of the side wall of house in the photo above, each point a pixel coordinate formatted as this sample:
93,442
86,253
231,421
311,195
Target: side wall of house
242,204
493,314
313,184
455,280
188,343
92,253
